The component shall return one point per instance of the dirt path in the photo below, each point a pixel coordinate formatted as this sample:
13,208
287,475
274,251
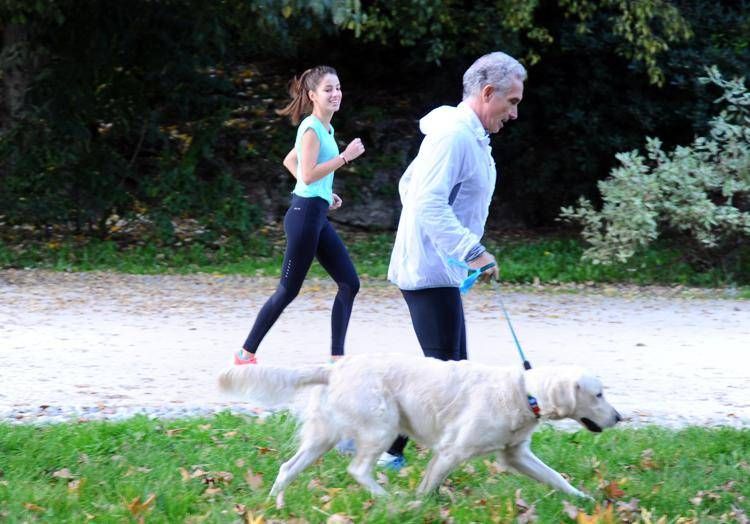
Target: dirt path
109,343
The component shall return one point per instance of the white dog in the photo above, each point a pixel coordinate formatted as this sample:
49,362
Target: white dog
457,409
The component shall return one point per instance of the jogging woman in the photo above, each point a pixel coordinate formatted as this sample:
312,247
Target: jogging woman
309,234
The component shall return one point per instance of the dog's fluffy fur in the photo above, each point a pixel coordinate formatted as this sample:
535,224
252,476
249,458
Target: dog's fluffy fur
457,409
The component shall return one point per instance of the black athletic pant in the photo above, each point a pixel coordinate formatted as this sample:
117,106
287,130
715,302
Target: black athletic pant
437,315
310,235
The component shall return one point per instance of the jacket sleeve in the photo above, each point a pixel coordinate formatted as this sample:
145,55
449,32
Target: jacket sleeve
440,169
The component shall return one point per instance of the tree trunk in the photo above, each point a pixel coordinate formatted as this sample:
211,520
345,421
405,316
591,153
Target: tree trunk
14,60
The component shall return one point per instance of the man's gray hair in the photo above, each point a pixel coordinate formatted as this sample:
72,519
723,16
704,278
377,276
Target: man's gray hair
496,69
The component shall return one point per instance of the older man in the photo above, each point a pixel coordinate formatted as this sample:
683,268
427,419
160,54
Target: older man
446,193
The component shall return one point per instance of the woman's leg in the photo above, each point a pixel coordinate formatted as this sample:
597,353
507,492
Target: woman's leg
302,226
334,258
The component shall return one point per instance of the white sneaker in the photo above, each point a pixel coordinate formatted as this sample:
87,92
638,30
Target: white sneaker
392,462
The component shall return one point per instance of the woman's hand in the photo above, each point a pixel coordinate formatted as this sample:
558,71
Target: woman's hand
336,203
353,150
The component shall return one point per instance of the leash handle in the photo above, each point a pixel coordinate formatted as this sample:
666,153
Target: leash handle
474,274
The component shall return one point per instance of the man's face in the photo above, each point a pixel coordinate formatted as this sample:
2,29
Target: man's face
498,108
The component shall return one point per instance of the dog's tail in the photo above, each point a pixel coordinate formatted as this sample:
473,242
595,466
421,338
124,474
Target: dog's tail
271,386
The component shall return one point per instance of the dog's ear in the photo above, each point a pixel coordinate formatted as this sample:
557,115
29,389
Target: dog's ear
562,396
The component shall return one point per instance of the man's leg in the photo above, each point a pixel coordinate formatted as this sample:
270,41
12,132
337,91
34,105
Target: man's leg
437,315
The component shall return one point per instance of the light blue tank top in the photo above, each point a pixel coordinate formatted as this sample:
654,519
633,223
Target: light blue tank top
323,187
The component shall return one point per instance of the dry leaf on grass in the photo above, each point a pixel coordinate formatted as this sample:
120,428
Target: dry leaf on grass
33,507
526,511
251,518
570,510
254,480
613,491
339,518
136,507
75,486
601,515
63,474
647,459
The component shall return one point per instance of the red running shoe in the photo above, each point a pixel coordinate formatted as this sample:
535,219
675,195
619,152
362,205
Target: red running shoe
239,361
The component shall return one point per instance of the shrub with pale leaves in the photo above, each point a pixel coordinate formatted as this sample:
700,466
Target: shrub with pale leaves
701,191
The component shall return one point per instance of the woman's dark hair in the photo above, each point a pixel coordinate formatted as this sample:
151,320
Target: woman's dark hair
298,89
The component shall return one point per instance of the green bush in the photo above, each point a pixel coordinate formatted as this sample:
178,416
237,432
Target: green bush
700,192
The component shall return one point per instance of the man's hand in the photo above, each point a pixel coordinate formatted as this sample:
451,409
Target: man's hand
481,261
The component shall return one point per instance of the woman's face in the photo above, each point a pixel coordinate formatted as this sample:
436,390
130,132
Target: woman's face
327,95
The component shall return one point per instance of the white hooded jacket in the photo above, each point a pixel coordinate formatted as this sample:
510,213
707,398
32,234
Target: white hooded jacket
445,193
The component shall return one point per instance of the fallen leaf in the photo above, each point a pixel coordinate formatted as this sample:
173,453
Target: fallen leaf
175,431
738,515
315,484
628,508
520,503
600,515
445,514
33,507
197,473
570,510
339,518
224,476
255,481
63,474
613,491
250,518
526,511
647,459
184,474
333,491
75,486
263,450
136,507
405,471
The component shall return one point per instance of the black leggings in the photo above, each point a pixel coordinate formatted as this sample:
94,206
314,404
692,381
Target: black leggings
309,235
437,315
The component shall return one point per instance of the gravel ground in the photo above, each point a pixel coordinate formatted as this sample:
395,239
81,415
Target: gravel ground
106,346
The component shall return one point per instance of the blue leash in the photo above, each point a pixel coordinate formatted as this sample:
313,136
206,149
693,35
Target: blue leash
466,285
526,363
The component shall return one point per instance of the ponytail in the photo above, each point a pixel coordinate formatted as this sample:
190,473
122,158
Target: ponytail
298,91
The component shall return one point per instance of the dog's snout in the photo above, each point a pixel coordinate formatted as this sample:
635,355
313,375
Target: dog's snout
618,418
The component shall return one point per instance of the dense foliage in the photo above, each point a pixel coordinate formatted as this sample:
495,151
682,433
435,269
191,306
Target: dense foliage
701,191
158,112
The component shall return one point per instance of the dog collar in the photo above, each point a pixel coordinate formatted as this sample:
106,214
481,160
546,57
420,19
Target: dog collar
534,405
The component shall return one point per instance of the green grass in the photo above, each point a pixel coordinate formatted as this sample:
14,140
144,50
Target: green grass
547,260
200,470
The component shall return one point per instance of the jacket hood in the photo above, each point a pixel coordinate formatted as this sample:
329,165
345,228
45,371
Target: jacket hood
439,118
449,117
